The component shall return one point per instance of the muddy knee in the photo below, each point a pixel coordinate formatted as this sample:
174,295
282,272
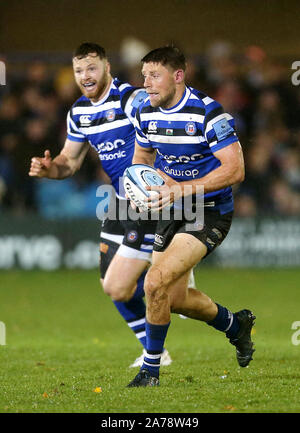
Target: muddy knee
154,286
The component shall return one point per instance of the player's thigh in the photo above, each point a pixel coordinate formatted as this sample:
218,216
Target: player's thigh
191,279
130,260
179,258
123,273
120,274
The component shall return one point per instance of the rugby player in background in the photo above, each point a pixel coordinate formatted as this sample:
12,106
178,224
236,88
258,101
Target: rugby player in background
103,118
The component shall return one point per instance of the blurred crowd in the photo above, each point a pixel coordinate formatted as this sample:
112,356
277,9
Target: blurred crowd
253,87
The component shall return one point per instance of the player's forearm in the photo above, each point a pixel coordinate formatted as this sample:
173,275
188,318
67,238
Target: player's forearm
143,155
143,160
61,168
217,179
68,161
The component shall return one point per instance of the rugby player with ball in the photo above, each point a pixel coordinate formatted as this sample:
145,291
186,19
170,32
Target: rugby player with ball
196,147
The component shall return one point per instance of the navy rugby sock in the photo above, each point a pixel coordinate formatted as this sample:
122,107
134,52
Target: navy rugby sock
156,335
134,311
139,291
225,321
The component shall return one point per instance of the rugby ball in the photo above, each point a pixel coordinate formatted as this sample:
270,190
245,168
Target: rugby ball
136,178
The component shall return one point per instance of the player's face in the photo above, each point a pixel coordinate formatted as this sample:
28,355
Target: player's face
160,84
92,76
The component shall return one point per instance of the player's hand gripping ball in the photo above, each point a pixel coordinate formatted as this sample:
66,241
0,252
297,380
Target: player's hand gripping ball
136,178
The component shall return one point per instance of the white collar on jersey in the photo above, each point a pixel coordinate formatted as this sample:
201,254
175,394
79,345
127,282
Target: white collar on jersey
179,104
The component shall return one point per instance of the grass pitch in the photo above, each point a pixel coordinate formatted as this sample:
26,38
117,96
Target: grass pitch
68,350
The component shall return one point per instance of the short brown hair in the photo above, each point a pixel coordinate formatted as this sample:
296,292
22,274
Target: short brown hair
168,55
87,48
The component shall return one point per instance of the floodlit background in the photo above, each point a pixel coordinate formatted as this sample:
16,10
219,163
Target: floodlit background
239,52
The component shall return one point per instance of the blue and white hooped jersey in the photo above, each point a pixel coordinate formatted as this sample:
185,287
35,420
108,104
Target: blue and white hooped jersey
186,136
108,126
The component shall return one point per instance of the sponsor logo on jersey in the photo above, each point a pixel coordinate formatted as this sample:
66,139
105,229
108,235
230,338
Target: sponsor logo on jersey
104,150
180,173
222,129
85,120
139,98
111,156
152,127
181,158
110,115
107,146
190,128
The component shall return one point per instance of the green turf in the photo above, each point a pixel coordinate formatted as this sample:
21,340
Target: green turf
65,339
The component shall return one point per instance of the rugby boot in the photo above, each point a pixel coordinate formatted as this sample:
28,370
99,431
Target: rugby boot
143,378
242,342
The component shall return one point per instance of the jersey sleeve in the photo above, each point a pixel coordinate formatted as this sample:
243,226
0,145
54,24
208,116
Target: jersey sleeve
73,132
140,136
218,127
131,99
